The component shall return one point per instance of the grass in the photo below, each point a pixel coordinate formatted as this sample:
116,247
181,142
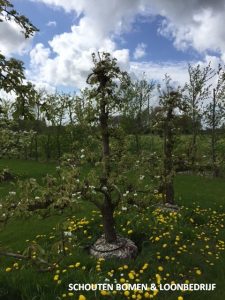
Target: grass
199,228
24,169
196,190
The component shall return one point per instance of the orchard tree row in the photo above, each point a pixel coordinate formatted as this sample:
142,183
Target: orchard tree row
50,125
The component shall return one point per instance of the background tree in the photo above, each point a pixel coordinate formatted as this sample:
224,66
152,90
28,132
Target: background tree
170,101
214,116
137,112
55,108
196,92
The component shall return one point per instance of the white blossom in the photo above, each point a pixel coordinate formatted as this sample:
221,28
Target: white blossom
12,193
67,233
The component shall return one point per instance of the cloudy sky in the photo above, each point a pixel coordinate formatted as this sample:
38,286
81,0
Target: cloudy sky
146,36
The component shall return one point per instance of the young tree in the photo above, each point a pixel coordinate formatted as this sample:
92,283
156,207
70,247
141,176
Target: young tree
214,115
105,80
196,92
54,107
13,141
170,101
137,112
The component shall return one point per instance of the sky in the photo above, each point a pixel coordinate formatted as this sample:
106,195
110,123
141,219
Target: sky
149,38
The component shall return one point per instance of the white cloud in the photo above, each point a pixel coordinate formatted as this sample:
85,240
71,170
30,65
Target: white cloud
156,71
12,39
51,24
195,23
39,54
140,51
73,62
67,58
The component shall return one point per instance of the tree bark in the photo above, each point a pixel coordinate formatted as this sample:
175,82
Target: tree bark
36,147
58,134
109,223
107,209
47,148
168,159
213,137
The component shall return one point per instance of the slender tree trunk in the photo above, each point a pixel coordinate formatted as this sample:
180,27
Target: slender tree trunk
137,142
36,147
193,148
58,142
48,149
25,152
31,148
107,209
108,222
213,137
168,159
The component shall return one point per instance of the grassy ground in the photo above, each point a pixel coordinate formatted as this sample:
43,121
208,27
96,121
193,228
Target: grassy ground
23,169
186,245
197,190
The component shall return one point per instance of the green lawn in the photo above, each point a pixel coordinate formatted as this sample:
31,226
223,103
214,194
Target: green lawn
199,226
196,190
26,168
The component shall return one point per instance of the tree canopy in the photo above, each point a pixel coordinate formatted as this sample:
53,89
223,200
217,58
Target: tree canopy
8,13
12,76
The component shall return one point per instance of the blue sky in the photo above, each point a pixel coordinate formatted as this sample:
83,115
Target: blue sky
154,37
144,30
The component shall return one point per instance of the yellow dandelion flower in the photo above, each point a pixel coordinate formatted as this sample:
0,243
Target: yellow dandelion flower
71,266
15,265
147,295
56,277
70,294
8,269
104,293
145,266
